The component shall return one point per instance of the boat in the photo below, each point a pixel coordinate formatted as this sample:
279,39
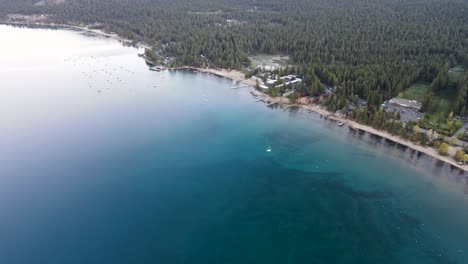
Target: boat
269,149
341,124
461,163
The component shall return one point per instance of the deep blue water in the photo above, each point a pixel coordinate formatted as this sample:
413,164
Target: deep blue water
99,166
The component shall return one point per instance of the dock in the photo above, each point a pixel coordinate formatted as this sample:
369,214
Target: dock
241,86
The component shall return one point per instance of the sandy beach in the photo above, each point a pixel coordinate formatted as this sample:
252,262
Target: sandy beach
234,75
384,134
239,77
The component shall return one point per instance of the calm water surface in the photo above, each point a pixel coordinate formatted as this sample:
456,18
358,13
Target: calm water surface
104,161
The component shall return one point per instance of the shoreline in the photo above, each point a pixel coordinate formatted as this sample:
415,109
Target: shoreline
234,75
239,77
396,139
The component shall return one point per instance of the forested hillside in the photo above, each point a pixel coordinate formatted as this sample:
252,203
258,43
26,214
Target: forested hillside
371,48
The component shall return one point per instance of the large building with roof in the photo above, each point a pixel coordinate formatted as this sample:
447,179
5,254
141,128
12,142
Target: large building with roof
413,104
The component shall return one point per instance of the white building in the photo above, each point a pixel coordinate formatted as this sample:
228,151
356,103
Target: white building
290,79
406,103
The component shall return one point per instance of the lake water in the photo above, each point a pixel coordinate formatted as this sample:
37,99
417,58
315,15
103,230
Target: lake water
104,161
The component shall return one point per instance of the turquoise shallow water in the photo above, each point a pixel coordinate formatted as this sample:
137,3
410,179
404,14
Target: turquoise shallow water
97,165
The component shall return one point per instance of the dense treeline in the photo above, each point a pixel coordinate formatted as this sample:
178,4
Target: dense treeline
461,103
370,48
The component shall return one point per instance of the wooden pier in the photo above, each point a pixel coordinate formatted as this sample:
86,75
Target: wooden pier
241,86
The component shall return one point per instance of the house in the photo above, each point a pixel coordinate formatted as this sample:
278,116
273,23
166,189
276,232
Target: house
267,68
295,81
290,79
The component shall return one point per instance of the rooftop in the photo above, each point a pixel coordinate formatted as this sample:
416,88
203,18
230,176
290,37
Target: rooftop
406,103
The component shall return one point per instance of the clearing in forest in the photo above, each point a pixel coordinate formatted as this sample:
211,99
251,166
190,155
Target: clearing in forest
442,100
416,91
275,61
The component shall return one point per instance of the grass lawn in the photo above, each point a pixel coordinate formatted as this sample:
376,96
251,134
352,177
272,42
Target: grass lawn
455,74
270,60
443,100
416,91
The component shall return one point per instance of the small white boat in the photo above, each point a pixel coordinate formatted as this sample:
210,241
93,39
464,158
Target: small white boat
341,124
269,149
